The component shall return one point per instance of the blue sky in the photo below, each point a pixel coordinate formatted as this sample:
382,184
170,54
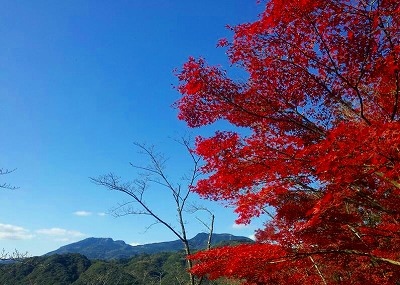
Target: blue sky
79,82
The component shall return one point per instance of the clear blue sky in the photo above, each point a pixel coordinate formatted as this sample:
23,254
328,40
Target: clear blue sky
79,82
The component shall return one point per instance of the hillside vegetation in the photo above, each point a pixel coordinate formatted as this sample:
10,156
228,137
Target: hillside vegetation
147,269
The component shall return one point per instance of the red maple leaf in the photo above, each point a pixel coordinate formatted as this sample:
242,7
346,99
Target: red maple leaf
323,149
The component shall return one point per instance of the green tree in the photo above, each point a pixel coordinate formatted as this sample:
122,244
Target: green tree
105,273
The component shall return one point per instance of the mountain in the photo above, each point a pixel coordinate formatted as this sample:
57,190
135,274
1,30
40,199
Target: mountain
98,248
107,248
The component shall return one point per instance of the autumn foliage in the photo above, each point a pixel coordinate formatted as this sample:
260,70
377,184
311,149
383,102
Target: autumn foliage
322,160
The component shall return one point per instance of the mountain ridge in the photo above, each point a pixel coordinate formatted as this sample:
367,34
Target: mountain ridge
107,248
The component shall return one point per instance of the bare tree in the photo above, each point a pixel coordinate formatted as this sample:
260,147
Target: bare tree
155,174
4,185
14,256
4,255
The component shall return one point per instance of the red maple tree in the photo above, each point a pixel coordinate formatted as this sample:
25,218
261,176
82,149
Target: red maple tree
322,161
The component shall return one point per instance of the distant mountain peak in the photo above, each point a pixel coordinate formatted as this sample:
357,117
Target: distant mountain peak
107,248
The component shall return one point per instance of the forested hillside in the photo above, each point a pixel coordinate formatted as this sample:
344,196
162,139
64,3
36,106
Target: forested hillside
76,269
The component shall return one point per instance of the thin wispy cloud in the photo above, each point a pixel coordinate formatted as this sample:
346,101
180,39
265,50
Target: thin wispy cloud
82,213
101,214
12,232
62,239
239,226
59,234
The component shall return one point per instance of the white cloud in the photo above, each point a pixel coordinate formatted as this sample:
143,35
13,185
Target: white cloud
101,214
239,226
253,237
62,239
82,213
135,243
60,234
14,232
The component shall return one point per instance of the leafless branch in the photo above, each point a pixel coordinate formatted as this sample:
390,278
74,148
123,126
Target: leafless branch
14,256
154,173
4,185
